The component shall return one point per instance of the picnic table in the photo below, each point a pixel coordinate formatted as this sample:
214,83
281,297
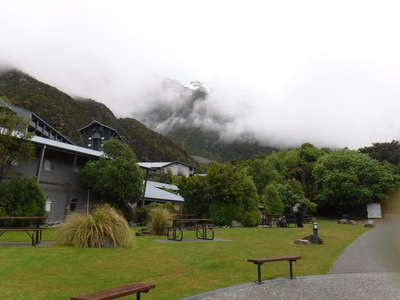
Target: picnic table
29,225
203,230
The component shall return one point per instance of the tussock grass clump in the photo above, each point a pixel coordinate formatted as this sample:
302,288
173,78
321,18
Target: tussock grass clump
104,227
159,219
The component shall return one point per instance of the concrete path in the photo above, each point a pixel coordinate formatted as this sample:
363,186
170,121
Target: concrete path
367,269
374,251
364,286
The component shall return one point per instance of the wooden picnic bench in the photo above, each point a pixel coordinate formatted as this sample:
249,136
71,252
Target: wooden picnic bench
260,261
118,292
203,230
33,229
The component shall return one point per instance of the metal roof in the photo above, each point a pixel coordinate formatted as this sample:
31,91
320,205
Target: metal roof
153,165
158,165
65,146
163,185
153,192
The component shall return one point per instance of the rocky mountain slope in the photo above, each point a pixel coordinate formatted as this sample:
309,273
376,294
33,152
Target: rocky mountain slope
183,114
67,115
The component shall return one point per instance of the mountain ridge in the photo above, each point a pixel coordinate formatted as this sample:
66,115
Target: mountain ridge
68,114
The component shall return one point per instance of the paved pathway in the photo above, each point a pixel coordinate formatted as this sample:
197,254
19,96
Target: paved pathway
361,286
374,251
365,270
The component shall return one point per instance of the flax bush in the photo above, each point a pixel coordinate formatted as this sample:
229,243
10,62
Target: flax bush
159,219
104,227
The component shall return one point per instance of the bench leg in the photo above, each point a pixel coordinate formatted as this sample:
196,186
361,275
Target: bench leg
138,296
259,281
291,269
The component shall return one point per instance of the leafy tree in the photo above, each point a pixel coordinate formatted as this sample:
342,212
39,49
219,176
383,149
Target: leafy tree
263,172
389,152
115,149
12,149
117,181
227,193
291,192
285,166
272,199
21,197
347,180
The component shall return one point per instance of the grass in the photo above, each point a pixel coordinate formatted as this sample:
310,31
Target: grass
177,269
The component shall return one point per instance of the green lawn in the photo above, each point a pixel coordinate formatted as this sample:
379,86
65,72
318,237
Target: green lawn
177,269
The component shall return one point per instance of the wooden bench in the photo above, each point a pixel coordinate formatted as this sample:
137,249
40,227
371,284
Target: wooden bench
118,292
260,261
34,231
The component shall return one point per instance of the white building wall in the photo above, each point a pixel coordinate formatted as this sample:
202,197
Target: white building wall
177,169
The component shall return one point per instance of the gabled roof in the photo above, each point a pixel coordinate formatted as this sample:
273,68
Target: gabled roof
101,124
159,165
153,165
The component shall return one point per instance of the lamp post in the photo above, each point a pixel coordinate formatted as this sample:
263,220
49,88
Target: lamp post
315,237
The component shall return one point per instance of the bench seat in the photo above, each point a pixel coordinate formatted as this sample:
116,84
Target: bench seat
118,292
260,261
21,229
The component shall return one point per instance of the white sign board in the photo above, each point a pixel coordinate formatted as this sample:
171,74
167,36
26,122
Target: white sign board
374,211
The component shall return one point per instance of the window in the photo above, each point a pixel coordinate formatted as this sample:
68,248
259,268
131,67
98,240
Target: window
48,205
75,166
48,165
96,144
181,172
73,204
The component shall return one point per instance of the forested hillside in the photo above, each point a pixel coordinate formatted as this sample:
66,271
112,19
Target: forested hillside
67,115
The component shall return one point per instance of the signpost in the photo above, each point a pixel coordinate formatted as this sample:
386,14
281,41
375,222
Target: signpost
374,211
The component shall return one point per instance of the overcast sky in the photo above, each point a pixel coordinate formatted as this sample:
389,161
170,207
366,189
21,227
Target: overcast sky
326,72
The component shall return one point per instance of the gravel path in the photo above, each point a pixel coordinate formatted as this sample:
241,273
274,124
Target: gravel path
365,270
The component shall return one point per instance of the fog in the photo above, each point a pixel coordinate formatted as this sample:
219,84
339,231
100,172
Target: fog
286,71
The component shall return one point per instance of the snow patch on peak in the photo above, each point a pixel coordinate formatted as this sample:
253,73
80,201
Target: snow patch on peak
197,85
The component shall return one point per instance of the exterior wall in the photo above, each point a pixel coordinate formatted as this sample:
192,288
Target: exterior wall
96,131
61,183
177,169
38,126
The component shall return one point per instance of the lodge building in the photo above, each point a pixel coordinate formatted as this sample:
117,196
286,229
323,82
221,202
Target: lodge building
58,161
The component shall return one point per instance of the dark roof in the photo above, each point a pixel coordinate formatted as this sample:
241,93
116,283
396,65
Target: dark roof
101,124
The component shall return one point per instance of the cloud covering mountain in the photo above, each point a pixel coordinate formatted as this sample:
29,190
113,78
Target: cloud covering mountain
281,72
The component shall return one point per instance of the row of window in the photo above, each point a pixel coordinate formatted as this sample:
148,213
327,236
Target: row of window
48,165
72,205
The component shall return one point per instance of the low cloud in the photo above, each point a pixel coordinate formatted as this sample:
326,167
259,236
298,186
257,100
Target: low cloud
283,74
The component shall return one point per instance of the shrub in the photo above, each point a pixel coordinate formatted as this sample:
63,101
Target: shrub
142,213
22,196
225,213
159,220
104,227
251,218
